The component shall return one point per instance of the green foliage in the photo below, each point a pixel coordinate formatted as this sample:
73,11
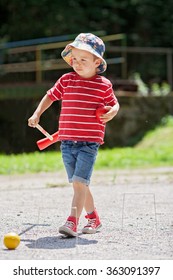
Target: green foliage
155,22
146,22
30,163
155,89
160,138
142,87
158,90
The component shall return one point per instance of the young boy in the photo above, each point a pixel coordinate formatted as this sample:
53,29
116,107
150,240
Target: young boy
80,132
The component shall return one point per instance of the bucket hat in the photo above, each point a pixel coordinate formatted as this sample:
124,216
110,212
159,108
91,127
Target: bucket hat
87,42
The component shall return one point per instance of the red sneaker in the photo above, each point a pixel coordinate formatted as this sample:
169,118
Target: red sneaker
93,223
70,227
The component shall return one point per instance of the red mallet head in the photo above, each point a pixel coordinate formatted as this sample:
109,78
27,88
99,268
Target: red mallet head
101,111
45,142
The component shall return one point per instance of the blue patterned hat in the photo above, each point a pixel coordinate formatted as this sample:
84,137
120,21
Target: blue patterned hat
87,42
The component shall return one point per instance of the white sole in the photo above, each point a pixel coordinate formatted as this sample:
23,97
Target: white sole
88,231
67,231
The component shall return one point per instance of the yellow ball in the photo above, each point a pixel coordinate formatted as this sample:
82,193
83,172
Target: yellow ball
11,240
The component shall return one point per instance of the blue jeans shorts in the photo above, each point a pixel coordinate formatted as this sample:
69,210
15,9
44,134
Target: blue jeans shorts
79,158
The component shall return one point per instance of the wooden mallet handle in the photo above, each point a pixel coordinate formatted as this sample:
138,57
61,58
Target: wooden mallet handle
39,127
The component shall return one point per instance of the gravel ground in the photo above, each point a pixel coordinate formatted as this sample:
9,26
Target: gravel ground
135,208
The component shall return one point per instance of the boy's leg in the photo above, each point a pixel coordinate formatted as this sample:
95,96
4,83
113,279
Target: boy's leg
78,198
93,219
89,201
70,227
79,161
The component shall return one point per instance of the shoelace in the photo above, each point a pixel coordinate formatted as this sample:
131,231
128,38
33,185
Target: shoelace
69,224
91,222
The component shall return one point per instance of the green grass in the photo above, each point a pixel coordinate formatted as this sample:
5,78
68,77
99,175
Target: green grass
156,149
31,163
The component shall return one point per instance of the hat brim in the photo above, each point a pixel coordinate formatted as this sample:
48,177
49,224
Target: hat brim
67,55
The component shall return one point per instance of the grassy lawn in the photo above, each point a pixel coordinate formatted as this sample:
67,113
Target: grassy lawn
156,149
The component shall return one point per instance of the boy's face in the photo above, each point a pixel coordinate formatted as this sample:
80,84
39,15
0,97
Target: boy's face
84,63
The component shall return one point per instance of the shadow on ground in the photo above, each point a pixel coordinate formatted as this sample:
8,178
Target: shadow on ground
57,242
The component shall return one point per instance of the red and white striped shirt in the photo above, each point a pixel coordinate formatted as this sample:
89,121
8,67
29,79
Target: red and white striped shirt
80,99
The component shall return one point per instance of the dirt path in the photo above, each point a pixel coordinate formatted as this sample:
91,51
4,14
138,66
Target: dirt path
135,208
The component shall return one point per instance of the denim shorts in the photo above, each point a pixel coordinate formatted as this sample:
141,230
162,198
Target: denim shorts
79,158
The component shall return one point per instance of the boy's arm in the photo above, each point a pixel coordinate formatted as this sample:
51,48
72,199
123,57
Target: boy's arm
111,113
44,104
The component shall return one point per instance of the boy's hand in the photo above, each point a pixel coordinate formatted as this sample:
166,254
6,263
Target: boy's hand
112,111
33,120
44,104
